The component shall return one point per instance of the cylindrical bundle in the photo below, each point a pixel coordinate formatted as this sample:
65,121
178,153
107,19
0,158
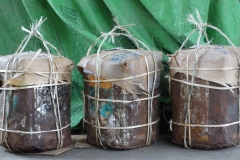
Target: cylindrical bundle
209,117
125,114
34,110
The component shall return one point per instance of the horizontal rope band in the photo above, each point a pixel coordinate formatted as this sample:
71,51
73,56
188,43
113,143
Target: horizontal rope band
34,86
121,101
27,71
121,79
35,132
128,127
206,125
204,86
205,69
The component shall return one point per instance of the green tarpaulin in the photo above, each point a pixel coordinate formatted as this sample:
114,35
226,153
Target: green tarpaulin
72,25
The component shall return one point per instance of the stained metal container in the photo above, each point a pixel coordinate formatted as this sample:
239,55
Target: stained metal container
215,106
112,123
29,119
31,110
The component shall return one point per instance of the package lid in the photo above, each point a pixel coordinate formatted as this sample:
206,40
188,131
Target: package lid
40,66
215,63
124,63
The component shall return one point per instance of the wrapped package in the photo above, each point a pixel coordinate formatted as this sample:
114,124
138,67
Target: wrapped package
122,97
214,111
205,91
35,101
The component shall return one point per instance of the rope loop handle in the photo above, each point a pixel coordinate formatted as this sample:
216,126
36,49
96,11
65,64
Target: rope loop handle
34,32
113,34
199,26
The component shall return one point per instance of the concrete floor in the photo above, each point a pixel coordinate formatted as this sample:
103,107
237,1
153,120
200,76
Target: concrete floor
162,149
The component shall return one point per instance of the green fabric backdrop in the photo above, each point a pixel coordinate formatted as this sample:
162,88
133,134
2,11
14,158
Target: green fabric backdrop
72,25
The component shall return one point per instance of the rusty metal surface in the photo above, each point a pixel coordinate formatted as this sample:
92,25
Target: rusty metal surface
208,106
119,115
32,110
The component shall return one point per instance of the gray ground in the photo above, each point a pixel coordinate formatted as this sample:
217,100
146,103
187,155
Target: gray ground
162,149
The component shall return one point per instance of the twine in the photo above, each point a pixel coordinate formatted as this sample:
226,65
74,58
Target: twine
199,26
202,125
97,80
128,127
122,101
205,69
33,132
53,81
